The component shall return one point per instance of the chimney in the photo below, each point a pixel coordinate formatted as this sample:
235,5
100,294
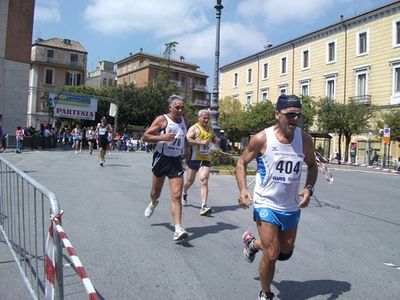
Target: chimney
182,58
67,41
341,18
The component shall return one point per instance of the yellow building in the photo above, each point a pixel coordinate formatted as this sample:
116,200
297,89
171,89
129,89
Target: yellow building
356,59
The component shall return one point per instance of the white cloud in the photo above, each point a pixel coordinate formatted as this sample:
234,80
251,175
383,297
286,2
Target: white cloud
47,11
159,17
236,40
281,12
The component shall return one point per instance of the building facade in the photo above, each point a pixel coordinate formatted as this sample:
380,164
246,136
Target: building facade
103,76
16,23
55,63
356,59
142,69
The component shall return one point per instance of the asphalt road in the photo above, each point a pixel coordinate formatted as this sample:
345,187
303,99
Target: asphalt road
348,232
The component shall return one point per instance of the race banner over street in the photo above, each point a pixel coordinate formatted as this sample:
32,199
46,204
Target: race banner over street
73,106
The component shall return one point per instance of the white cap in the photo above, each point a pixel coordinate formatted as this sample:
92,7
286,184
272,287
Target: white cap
221,131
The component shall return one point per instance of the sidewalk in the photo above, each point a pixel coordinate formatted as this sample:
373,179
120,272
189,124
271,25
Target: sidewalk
362,166
12,284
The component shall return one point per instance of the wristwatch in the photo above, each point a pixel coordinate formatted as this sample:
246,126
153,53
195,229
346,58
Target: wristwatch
310,188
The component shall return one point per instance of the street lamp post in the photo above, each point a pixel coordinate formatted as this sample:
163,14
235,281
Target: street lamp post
214,101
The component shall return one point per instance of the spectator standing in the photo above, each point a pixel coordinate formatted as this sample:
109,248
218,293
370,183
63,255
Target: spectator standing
19,137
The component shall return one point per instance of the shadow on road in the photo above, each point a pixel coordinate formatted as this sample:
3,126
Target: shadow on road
197,232
289,290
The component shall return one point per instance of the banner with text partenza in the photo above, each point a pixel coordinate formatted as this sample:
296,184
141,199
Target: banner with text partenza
73,106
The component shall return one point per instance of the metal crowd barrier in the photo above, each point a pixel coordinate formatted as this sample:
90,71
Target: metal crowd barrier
25,209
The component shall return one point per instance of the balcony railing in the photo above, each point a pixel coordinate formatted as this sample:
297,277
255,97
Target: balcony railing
201,102
200,87
362,99
58,61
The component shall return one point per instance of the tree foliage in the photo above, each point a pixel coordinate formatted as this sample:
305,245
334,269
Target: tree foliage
258,117
343,119
391,119
309,111
231,116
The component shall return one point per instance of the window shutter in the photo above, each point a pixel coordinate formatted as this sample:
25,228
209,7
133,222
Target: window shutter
67,78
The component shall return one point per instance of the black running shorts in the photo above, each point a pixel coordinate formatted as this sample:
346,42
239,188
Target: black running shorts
196,164
167,165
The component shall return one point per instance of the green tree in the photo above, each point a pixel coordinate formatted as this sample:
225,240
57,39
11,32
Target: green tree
190,114
392,120
258,117
231,116
309,111
170,48
343,119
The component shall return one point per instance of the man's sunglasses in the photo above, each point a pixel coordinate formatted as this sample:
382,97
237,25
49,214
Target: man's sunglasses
292,115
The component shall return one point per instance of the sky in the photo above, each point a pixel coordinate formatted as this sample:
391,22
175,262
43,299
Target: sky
111,29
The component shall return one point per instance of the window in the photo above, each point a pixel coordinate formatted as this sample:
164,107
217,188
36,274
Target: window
305,59
396,33
362,42
235,79
305,88
74,59
104,81
283,89
330,85
110,82
265,71
249,75
264,95
330,88
50,54
361,89
331,52
249,98
283,65
396,80
395,98
235,97
49,76
72,79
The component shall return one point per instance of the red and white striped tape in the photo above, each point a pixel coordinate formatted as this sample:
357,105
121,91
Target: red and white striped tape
50,266
51,271
324,169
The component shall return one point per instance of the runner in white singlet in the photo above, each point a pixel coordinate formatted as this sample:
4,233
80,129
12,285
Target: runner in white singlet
280,151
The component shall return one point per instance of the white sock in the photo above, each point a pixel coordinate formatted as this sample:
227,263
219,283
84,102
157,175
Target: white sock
178,227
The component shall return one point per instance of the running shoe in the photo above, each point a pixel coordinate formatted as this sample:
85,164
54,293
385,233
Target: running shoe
265,296
180,235
249,253
184,199
150,209
205,210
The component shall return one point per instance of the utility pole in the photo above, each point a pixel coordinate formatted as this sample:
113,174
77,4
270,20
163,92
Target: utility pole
215,95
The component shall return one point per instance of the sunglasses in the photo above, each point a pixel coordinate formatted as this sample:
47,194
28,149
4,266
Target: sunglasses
292,115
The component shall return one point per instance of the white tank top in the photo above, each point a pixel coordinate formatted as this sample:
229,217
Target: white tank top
177,145
279,172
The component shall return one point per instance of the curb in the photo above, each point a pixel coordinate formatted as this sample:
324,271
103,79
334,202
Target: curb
378,168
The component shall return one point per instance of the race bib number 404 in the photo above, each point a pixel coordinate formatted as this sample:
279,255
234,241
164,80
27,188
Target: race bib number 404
287,171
